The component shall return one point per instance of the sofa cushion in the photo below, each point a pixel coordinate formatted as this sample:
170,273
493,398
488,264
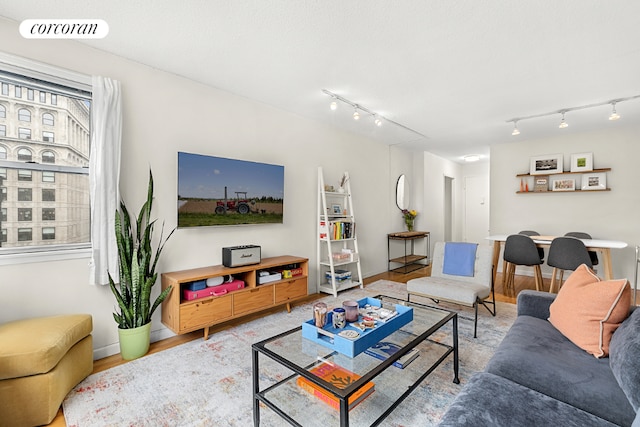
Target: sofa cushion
536,355
35,346
490,400
588,310
624,357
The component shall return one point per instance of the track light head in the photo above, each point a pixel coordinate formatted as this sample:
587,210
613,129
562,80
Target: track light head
333,105
377,120
614,115
563,124
356,115
515,129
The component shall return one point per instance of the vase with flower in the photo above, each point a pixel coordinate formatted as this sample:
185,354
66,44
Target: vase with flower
409,218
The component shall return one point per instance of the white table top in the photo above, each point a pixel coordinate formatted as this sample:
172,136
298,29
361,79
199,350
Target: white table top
590,243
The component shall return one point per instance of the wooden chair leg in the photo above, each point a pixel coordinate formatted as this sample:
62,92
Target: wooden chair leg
537,274
552,288
561,277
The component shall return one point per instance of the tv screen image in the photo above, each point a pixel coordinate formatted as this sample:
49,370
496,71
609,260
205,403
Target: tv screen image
216,191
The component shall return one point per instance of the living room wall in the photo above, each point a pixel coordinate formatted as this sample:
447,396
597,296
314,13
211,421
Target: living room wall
164,114
609,215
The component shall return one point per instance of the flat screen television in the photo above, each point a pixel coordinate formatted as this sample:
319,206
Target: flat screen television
216,191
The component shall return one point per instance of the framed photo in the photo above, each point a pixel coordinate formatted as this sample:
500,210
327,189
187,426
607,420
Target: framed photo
336,209
545,165
594,181
564,185
582,162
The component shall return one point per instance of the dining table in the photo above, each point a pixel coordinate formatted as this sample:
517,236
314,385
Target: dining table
601,246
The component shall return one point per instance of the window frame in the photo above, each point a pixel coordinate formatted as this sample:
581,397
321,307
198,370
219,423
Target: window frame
67,83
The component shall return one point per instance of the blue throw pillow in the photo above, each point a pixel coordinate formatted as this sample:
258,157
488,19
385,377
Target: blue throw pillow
624,357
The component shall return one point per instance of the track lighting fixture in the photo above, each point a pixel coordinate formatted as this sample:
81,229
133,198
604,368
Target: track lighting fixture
563,124
515,129
333,106
614,115
357,108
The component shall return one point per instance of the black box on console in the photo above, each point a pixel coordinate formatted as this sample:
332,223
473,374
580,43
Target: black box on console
236,256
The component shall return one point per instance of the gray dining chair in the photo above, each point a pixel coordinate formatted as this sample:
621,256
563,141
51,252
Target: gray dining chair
520,249
580,235
566,253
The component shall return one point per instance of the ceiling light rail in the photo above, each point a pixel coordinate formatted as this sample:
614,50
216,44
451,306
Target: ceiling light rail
377,118
563,124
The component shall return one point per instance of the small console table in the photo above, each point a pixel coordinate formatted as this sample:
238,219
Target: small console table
410,261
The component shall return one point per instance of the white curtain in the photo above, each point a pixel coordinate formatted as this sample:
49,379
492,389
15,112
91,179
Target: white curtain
104,173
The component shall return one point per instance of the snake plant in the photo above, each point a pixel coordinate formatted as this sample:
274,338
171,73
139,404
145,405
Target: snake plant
137,264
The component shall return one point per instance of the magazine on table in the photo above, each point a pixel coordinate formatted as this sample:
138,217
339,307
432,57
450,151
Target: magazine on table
384,349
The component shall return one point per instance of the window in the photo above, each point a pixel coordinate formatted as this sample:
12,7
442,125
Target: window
48,157
4,235
3,214
5,89
48,233
25,155
3,153
47,136
24,115
18,92
48,214
24,214
3,173
24,175
24,194
3,194
48,195
24,133
24,235
3,132
3,112
48,176
47,119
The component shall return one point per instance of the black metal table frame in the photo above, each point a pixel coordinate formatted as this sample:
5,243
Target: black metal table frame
343,394
408,265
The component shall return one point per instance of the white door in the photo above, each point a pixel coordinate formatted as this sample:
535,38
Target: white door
476,208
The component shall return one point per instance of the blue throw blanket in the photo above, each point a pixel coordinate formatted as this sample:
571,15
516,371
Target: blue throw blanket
459,258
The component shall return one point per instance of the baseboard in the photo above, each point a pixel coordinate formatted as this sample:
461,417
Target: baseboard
111,349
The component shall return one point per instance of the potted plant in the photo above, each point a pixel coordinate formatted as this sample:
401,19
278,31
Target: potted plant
137,263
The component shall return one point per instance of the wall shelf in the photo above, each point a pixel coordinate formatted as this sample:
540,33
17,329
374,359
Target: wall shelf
531,181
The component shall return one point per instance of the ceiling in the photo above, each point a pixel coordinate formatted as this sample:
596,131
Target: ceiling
454,72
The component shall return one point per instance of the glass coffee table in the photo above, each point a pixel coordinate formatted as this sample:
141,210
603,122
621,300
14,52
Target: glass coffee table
282,363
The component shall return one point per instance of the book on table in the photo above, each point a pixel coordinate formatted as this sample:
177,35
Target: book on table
338,377
384,349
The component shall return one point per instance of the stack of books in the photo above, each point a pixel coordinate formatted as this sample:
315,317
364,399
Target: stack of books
384,349
338,377
341,276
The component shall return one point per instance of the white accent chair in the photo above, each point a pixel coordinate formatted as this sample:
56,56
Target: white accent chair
464,290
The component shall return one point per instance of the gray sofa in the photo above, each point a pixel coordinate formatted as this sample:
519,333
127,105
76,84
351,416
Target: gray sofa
537,377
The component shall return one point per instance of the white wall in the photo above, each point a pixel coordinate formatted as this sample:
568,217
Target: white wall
164,114
431,215
605,215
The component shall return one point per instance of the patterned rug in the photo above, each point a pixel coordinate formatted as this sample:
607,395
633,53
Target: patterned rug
208,383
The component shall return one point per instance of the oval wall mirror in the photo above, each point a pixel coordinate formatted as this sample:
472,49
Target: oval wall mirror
402,192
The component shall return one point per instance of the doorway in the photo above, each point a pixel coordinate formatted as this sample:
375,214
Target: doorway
448,208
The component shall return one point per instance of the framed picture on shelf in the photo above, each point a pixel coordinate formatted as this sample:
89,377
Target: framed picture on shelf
336,209
541,183
564,185
594,181
547,164
582,162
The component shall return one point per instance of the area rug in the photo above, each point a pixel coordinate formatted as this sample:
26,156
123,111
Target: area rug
208,383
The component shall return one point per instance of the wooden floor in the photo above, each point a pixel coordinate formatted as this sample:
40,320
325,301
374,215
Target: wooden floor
521,282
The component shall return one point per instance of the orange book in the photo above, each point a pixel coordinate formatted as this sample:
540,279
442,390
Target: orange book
338,377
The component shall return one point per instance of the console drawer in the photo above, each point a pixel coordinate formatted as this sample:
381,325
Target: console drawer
253,299
203,313
292,289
